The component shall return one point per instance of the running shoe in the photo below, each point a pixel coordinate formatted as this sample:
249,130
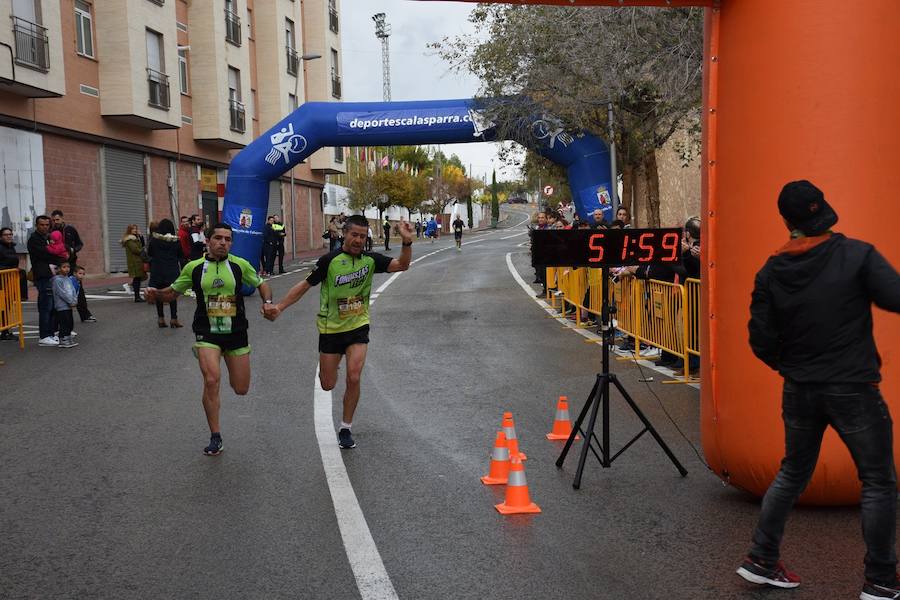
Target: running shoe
215,446
67,342
776,575
49,341
345,440
90,319
873,591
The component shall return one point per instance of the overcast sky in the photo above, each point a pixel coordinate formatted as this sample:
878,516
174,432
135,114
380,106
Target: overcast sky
416,73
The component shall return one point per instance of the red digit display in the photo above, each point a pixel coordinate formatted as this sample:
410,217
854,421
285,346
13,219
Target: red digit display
625,248
670,242
595,243
648,248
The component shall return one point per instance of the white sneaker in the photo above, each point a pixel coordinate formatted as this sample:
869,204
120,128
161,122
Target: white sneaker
49,341
73,334
126,287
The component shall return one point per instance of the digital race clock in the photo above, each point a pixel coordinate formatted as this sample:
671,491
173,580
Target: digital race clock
605,247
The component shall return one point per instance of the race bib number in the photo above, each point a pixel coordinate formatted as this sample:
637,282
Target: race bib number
221,306
350,307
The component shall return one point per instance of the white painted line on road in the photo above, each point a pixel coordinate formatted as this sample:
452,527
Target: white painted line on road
365,561
582,332
514,235
388,282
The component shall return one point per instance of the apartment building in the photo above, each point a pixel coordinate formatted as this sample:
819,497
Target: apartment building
129,111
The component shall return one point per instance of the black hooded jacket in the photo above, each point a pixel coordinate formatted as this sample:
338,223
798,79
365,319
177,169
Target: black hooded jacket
811,310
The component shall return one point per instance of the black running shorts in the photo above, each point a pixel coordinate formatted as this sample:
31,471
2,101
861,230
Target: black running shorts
336,343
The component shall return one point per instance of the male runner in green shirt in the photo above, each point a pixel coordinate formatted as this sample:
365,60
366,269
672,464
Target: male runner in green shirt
343,319
220,321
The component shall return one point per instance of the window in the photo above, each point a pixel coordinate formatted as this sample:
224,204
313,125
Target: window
338,155
292,102
32,45
332,15
235,106
335,75
183,71
232,23
293,60
84,36
254,105
157,80
249,23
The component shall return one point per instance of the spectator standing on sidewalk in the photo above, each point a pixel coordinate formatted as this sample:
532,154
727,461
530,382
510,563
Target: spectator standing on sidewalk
387,233
165,256
811,320
65,298
72,241
10,260
279,232
184,239
198,239
42,265
268,247
131,242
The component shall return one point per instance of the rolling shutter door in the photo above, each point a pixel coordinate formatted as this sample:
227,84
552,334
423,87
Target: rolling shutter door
274,198
125,201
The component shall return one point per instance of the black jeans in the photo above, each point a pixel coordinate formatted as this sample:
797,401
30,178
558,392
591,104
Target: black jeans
66,323
83,312
860,416
46,315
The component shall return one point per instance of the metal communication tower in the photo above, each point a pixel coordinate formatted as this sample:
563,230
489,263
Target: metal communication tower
383,32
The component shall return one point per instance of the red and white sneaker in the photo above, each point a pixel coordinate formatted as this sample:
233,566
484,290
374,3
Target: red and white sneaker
776,575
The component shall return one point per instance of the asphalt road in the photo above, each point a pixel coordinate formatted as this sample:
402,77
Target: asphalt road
104,491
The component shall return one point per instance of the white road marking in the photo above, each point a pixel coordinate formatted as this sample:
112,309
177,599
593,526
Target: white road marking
514,235
582,332
365,561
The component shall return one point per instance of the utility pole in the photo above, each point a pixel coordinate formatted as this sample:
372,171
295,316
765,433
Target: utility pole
383,32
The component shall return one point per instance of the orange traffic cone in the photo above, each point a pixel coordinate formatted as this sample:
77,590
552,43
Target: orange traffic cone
517,499
509,428
499,472
562,426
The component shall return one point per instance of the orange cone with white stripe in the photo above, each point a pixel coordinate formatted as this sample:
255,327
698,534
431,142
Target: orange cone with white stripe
512,442
517,499
562,425
499,472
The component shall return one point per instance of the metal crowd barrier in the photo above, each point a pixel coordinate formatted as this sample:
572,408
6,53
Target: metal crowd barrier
653,313
11,303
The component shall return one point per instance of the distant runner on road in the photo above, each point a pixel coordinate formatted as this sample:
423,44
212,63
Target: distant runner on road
220,321
457,231
343,318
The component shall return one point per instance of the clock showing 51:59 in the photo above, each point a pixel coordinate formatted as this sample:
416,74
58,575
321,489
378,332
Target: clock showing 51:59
605,247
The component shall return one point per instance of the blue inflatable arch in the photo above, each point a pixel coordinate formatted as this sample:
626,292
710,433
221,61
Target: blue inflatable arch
322,124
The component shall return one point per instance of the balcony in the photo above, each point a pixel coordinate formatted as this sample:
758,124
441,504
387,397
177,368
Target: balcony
336,85
333,19
237,116
232,28
159,89
32,45
293,61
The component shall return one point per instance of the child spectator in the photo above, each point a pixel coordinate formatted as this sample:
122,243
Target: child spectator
57,246
65,298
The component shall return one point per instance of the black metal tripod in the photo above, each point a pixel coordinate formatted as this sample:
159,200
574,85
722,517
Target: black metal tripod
598,397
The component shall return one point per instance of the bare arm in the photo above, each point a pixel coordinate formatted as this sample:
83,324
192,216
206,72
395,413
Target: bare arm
167,294
402,262
272,311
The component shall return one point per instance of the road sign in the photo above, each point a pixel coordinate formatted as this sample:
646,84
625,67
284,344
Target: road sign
548,190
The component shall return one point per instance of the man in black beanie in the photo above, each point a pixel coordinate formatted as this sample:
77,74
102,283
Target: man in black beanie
811,320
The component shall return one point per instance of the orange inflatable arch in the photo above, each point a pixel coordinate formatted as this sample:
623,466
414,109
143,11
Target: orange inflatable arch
805,89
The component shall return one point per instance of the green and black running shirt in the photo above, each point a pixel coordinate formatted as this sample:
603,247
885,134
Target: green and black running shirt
346,284
217,285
